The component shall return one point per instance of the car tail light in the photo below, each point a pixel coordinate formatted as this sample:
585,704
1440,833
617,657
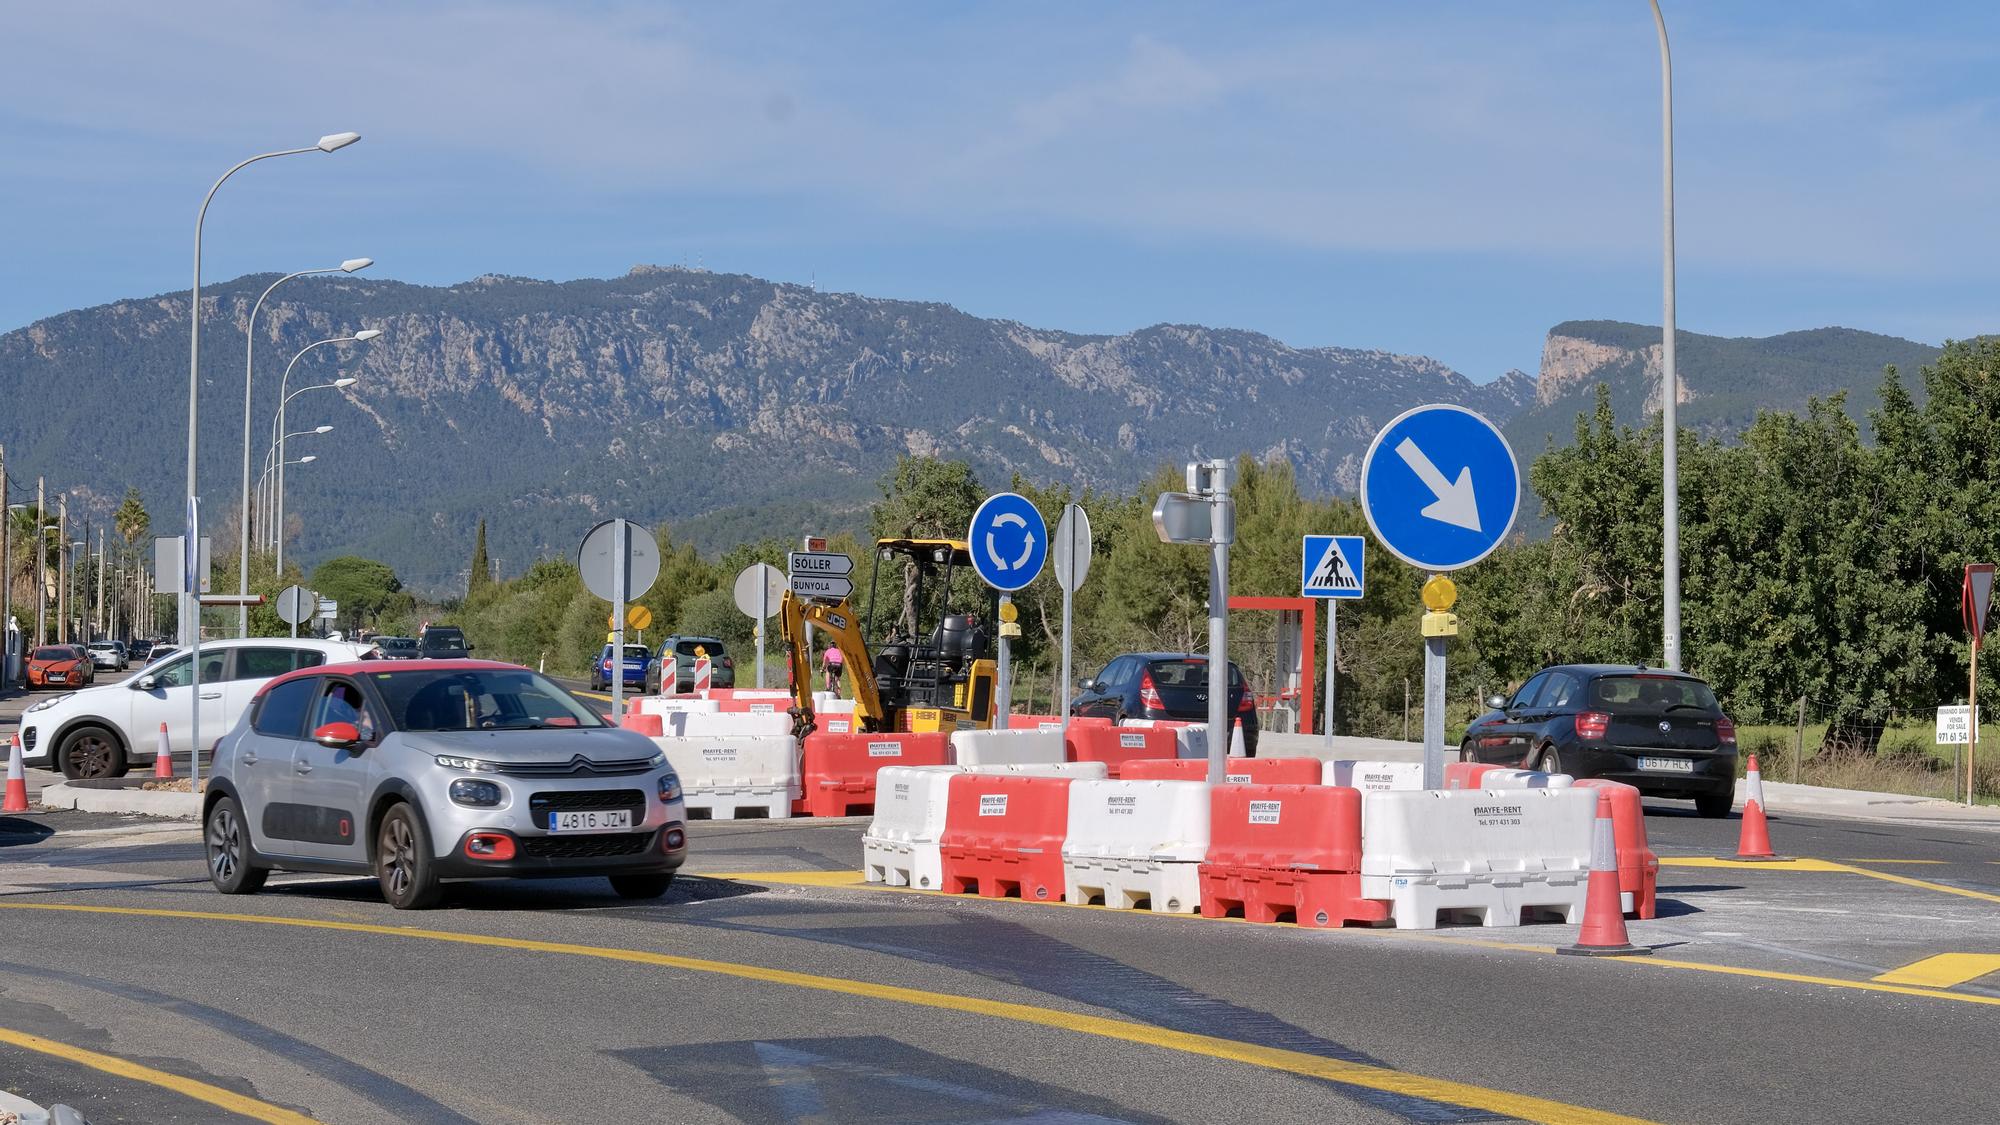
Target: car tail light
495,847
1246,704
728,662
1725,730
1149,694
1592,724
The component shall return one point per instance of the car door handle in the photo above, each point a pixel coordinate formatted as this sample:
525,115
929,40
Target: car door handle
211,695
301,767
248,759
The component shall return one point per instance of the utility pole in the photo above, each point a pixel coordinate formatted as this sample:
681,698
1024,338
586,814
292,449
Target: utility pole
97,613
62,570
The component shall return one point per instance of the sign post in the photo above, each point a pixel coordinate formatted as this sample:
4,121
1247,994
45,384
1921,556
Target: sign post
1206,514
1440,488
191,622
759,588
619,562
1009,543
1976,596
1073,548
296,604
1331,568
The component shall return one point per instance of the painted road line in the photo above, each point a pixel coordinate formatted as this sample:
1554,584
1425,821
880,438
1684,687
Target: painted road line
1944,970
854,880
1937,862
199,1091
1523,1106
1826,865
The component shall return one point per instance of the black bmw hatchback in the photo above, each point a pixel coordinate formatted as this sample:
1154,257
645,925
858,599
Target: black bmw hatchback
1658,730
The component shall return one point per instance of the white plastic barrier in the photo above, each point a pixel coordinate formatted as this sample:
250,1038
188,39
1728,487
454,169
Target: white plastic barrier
726,724
729,776
1006,747
674,704
900,847
1488,853
1524,779
1190,739
1134,841
826,703
1373,777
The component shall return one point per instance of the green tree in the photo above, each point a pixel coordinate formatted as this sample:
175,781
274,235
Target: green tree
365,589
481,574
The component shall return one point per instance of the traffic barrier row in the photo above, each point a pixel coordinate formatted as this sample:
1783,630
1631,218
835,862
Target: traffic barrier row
902,845
1237,771
728,777
838,772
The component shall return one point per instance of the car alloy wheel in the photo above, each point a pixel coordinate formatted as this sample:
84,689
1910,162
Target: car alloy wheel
228,847
403,862
90,754
1551,761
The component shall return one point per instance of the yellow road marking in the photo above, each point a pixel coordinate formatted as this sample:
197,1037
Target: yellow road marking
1751,865
1936,862
800,878
200,1091
1504,1103
1944,970
1880,984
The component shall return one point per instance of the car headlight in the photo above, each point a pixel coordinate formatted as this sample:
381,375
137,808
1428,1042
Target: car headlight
467,765
657,760
48,703
477,793
670,787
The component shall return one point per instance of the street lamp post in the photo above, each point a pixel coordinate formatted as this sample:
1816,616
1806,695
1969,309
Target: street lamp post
266,502
190,604
278,419
1670,383
249,353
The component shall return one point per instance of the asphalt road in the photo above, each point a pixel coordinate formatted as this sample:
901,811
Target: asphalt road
347,1011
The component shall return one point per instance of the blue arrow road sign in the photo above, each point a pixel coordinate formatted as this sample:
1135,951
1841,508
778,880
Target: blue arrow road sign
1332,567
1009,541
1440,487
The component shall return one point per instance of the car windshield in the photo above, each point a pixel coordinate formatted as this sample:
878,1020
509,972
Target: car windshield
396,644
1651,694
638,652
52,654
478,699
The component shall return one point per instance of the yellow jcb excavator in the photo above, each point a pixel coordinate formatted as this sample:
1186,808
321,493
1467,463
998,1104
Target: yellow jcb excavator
928,669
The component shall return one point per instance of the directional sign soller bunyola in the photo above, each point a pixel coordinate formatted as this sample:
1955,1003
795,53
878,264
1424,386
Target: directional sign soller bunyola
1440,487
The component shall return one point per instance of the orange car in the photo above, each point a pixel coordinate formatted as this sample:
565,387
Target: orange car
59,666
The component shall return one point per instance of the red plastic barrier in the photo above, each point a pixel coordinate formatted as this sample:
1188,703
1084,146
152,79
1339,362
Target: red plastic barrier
1466,775
1638,867
1250,771
1116,745
1020,721
1278,851
732,706
652,726
838,770
1003,836
748,693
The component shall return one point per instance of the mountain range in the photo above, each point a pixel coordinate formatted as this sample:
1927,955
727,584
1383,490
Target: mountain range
732,408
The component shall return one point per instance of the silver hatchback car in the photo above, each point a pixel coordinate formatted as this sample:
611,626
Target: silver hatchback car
420,771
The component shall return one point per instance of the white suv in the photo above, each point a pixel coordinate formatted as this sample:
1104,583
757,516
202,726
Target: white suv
102,731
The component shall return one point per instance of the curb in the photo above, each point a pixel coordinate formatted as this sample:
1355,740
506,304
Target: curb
69,795
28,1113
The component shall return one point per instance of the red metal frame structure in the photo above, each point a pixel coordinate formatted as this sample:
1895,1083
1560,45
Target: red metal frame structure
1307,609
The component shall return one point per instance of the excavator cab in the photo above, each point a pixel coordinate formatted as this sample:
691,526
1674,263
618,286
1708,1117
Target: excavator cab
922,661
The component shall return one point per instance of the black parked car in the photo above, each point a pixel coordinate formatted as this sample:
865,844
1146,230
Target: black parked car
397,648
1658,730
442,642
1164,685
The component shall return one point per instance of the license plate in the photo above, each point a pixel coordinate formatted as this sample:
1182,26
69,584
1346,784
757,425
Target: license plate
591,820
1667,765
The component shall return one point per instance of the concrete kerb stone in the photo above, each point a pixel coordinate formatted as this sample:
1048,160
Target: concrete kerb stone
120,795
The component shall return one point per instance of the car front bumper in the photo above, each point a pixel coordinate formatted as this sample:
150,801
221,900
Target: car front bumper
645,852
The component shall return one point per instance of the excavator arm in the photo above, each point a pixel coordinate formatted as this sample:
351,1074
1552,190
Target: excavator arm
841,627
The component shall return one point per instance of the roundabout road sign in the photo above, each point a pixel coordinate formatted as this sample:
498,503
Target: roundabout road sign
1440,487
1008,540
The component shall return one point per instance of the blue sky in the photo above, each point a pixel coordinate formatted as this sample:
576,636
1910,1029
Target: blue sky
1448,179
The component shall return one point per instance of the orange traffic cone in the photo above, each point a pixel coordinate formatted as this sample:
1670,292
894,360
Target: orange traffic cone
1603,931
1753,844
17,780
163,756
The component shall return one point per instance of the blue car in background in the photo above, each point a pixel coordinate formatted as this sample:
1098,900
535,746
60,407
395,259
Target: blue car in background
638,662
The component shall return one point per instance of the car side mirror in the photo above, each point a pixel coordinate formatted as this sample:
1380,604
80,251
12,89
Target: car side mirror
1497,702
145,683
1091,686
340,736
471,648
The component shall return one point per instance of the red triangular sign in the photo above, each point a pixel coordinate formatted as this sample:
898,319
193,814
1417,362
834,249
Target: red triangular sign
1977,594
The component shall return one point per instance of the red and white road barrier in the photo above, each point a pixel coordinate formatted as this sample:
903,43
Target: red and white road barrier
1638,867
1239,771
703,673
1115,745
17,778
839,772
1003,836
1490,855
1136,842
1286,851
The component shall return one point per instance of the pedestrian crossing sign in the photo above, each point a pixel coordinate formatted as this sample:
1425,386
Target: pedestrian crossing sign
1332,567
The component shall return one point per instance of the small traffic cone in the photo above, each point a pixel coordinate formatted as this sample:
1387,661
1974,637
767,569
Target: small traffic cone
1753,844
163,756
17,780
1603,931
